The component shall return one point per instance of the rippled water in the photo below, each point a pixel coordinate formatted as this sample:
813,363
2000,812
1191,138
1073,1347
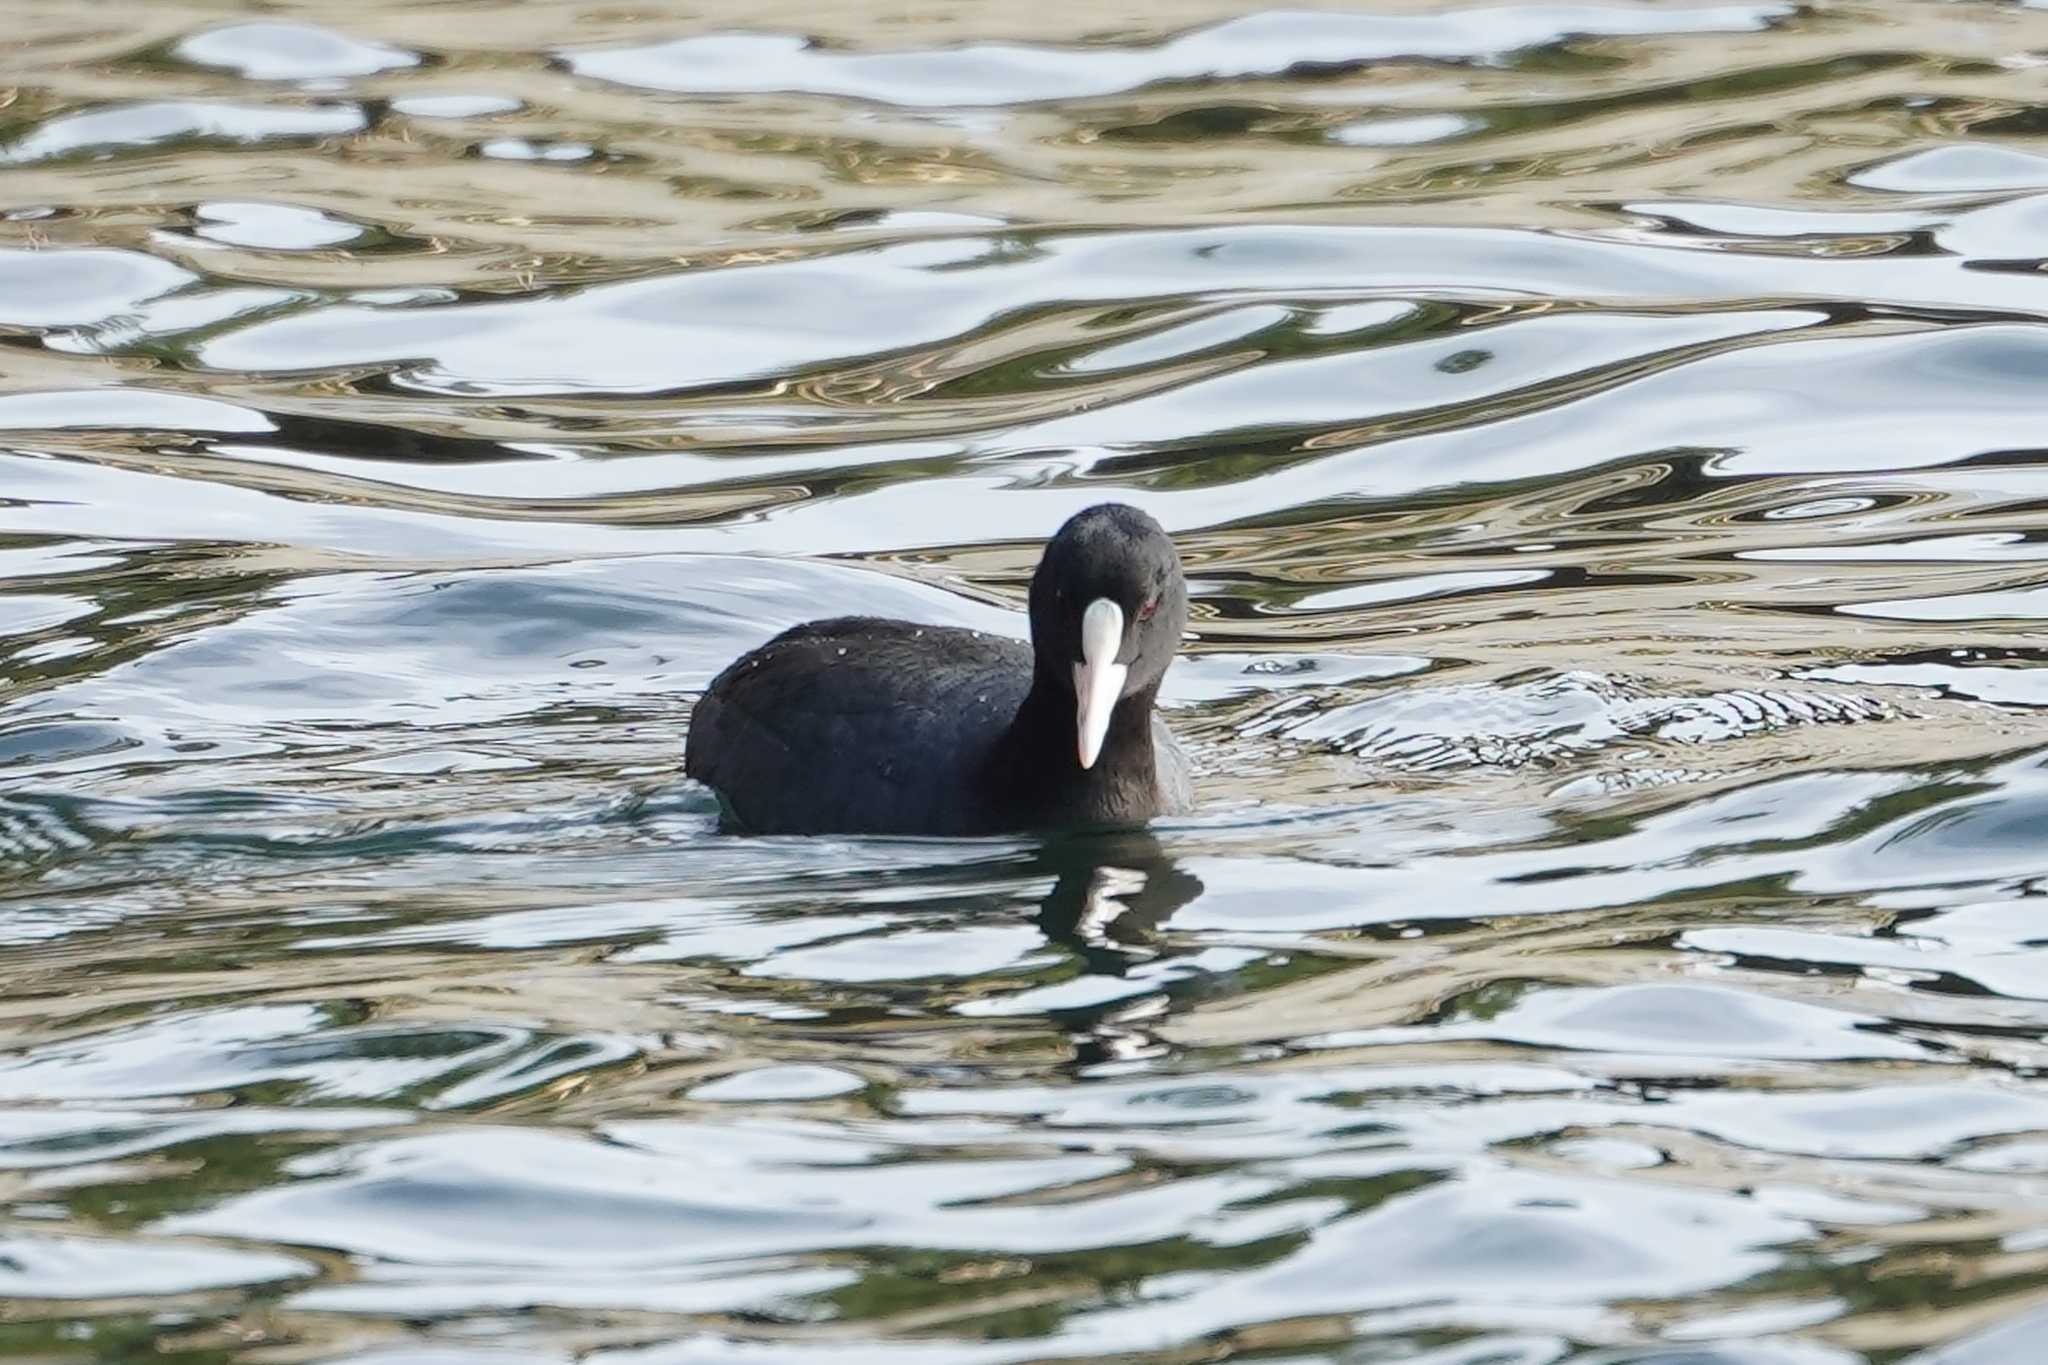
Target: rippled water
1606,441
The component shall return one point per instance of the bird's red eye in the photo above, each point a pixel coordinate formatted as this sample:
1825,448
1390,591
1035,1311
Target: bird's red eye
1145,612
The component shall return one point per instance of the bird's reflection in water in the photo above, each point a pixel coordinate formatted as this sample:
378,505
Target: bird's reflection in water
1113,892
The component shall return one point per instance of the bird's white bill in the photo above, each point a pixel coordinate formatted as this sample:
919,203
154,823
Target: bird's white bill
1098,678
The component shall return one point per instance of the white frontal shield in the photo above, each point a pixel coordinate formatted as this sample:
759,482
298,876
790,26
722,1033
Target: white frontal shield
1098,678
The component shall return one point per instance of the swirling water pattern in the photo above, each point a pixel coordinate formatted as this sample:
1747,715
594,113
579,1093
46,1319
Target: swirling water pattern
1605,441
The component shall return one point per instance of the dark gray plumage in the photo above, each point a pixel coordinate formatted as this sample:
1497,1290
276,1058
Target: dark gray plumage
860,725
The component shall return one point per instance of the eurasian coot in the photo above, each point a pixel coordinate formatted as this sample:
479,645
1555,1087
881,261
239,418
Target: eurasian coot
860,725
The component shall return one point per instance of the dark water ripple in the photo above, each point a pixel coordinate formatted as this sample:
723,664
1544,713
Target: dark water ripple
1605,444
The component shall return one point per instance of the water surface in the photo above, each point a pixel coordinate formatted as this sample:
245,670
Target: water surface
1606,445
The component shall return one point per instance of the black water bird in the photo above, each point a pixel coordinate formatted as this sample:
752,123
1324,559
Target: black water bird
860,725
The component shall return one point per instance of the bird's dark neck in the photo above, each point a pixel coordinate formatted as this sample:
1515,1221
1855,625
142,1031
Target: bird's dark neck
1038,764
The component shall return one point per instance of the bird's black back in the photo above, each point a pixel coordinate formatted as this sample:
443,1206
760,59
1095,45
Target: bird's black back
861,725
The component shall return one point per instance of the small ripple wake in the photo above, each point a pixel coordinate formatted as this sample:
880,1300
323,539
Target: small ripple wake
1543,721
